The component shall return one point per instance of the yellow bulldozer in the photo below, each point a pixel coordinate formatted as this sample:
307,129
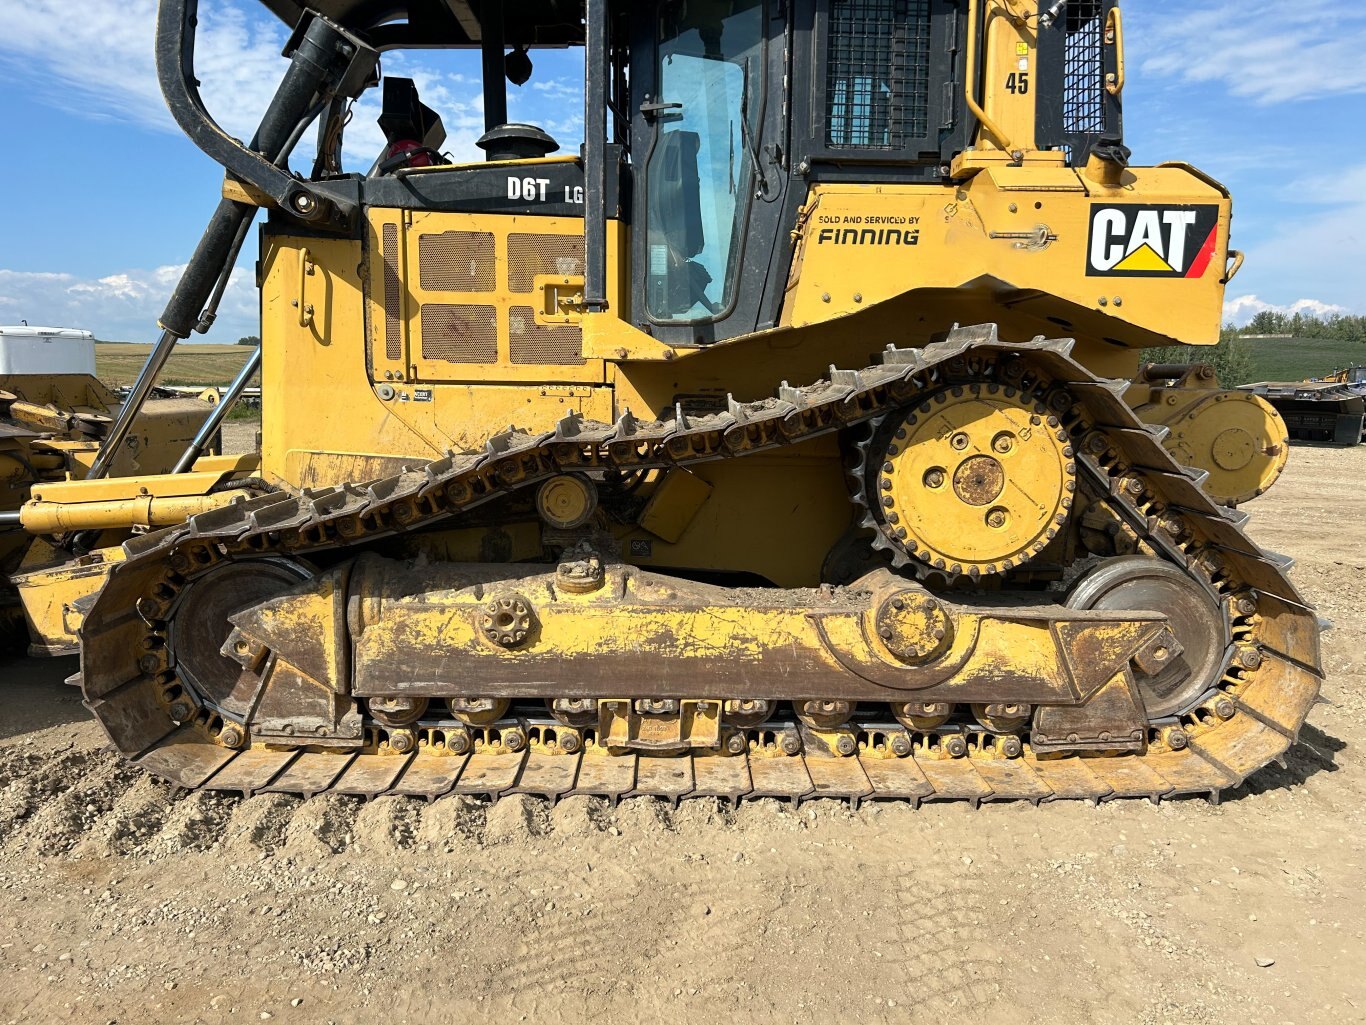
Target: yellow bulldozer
54,415
783,441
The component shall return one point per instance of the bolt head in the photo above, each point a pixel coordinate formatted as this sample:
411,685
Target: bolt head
569,742
844,744
180,711
901,745
458,742
736,744
514,740
791,744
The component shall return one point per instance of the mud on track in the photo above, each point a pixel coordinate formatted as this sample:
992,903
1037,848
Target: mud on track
119,903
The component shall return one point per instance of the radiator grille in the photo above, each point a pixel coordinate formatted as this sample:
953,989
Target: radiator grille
877,73
393,307
1083,92
456,261
529,255
530,342
459,334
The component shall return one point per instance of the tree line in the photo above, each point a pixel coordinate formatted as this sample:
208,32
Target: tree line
1337,326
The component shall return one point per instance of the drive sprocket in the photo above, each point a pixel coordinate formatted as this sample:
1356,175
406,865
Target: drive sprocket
975,480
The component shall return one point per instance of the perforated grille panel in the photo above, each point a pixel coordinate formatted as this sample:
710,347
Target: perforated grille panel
530,342
529,255
456,261
877,73
393,310
459,334
1083,101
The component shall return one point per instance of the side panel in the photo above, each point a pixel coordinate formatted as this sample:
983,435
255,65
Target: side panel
325,419
1138,266
469,297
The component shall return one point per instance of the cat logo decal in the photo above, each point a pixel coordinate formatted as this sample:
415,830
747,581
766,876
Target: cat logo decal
1142,241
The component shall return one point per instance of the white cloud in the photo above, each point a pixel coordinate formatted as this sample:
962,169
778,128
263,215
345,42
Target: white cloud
120,307
1315,248
98,60
1242,309
1342,186
239,64
1268,53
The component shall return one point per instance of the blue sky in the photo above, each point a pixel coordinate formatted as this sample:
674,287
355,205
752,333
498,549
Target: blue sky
105,199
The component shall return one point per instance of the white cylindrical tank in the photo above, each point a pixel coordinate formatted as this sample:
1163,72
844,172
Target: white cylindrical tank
46,350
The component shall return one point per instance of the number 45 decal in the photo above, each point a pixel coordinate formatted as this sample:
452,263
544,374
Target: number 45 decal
1018,83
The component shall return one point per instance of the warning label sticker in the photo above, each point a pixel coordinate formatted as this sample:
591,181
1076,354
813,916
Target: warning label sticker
1152,241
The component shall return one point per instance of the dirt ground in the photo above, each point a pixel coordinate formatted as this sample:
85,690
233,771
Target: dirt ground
240,435
118,904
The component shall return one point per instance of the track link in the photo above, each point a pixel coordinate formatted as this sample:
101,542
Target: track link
1254,714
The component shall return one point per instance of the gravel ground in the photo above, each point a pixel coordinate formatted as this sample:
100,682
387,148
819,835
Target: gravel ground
122,903
241,435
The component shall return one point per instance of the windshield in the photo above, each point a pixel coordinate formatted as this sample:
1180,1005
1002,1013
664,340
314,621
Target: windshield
700,168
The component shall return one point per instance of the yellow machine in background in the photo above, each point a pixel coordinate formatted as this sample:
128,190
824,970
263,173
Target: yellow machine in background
671,468
54,414
1238,438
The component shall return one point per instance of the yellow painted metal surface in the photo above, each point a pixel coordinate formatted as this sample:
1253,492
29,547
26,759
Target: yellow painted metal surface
1237,437
675,504
774,515
389,397
978,481
110,489
40,517
634,619
1030,247
49,583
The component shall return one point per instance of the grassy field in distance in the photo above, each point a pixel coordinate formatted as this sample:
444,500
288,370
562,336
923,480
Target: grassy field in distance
118,363
1296,359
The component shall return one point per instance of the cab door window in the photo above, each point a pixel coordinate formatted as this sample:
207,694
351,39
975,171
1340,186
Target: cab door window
699,170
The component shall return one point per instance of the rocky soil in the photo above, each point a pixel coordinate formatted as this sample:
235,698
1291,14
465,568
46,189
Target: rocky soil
121,903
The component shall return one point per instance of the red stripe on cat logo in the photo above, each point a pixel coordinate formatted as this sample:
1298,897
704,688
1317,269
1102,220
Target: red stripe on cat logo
1203,257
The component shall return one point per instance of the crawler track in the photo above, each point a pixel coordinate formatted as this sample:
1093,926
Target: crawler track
1249,719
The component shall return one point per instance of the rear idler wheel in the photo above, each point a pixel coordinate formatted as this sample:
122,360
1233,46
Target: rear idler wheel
1138,583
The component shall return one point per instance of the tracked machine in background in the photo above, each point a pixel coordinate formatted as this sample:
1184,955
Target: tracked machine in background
1330,410
667,468
54,416
1237,437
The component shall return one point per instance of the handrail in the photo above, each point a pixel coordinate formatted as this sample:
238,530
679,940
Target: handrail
1236,255
970,78
1114,35
305,269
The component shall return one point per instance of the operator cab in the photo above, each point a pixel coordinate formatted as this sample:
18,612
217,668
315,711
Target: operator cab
706,125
